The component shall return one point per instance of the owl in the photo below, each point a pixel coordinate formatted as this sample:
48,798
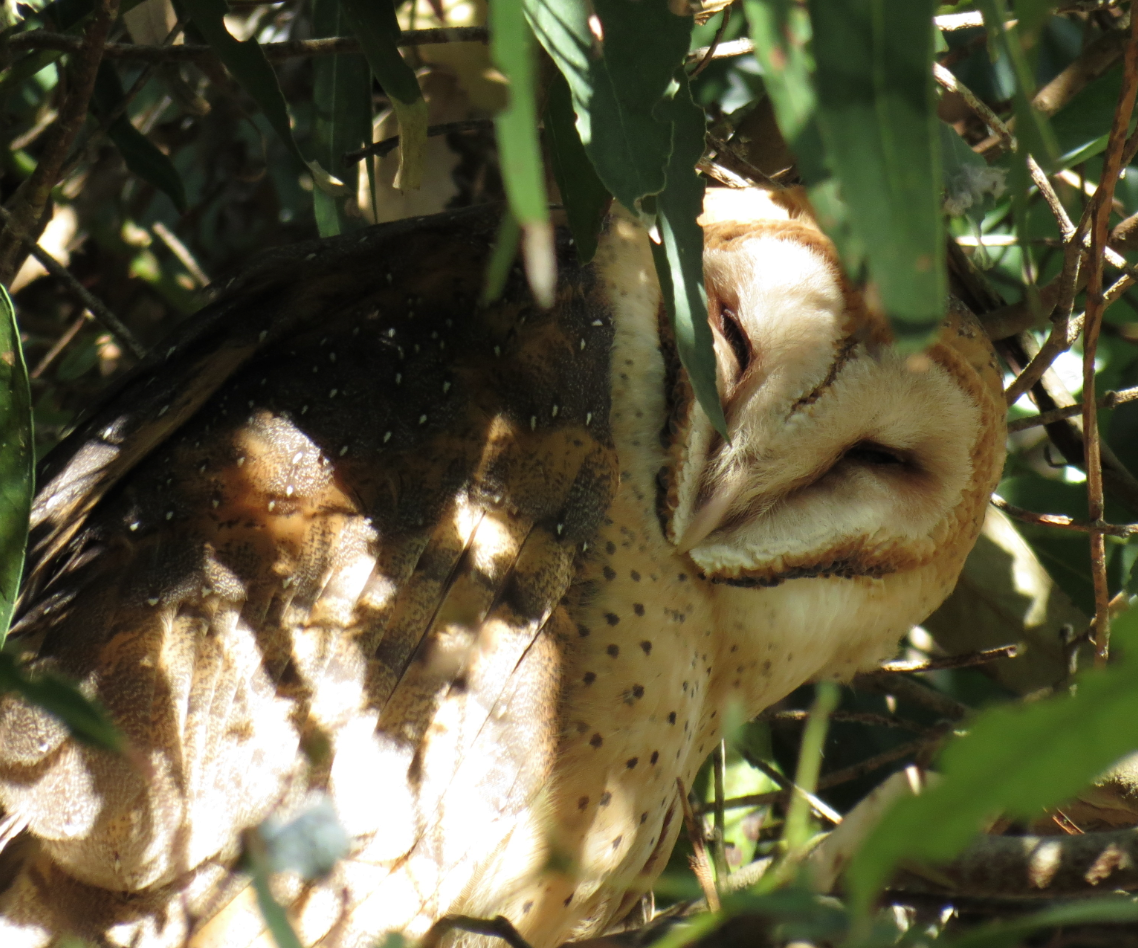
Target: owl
486,576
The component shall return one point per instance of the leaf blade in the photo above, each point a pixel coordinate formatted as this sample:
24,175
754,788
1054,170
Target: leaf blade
17,460
373,23
878,121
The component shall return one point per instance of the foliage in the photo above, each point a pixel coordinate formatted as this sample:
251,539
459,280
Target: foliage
252,135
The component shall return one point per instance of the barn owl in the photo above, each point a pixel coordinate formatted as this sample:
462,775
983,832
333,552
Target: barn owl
485,576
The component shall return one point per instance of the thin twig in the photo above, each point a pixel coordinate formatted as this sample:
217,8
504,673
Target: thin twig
820,807
106,121
735,47
705,61
943,662
1096,304
914,691
845,775
846,717
719,844
60,344
498,927
948,81
97,307
388,145
275,52
700,864
1061,336
1110,400
1063,521
182,252
27,206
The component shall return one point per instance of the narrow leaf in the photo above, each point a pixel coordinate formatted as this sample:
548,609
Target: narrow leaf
64,14
1017,760
17,460
1032,128
1010,934
501,258
342,99
877,116
83,718
247,63
256,863
679,255
25,67
141,155
585,198
373,23
511,45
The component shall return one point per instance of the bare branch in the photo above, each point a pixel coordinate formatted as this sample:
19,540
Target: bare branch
1109,400
390,144
966,660
28,204
275,52
96,306
1063,521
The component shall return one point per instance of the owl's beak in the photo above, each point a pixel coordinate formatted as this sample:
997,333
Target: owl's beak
707,518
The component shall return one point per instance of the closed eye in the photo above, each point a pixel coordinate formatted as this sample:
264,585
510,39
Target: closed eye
736,337
872,454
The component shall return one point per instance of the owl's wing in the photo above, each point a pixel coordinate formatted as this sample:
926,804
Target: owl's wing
317,542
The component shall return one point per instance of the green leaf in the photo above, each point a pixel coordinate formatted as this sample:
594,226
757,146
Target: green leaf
1032,128
1017,760
373,23
1082,126
501,258
64,14
247,63
25,67
83,718
781,32
140,154
256,863
617,83
585,198
17,460
679,254
342,98
511,46
1005,595
1009,934
876,109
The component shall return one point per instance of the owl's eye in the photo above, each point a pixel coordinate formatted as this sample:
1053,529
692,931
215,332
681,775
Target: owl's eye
736,337
876,455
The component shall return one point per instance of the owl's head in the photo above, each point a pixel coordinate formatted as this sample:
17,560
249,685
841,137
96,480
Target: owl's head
845,458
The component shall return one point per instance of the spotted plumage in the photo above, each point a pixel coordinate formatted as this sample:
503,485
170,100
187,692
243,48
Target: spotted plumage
485,575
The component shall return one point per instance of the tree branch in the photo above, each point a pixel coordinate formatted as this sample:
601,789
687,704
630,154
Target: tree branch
28,204
275,52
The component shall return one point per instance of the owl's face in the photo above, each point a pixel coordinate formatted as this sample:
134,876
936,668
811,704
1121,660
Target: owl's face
846,459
